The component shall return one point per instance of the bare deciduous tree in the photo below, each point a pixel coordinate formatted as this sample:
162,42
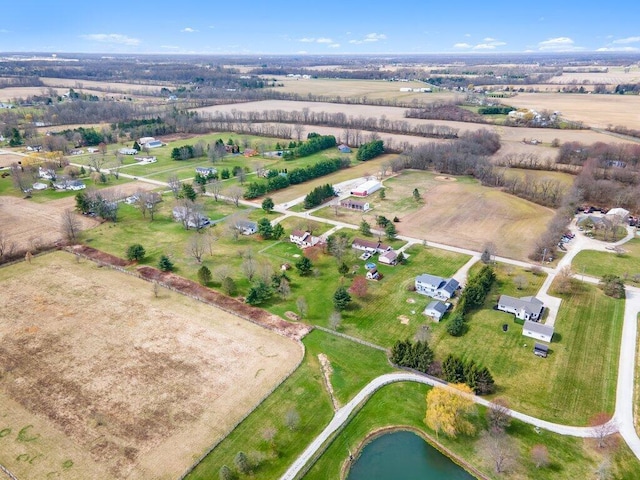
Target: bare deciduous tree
602,428
292,419
520,281
196,247
7,246
174,185
499,449
221,272
70,225
335,319
298,128
303,308
564,280
214,187
235,194
97,162
540,455
249,265
284,289
498,416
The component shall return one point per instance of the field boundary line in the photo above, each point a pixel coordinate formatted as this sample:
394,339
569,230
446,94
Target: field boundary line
9,474
244,417
353,339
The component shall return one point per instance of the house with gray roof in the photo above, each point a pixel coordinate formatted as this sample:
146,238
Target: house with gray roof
525,308
436,310
536,330
436,287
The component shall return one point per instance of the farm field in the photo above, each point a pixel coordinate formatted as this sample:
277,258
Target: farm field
27,223
353,366
564,179
456,211
576,381
7,158
402,406
351,89
119,87
598,264
598,111
180,358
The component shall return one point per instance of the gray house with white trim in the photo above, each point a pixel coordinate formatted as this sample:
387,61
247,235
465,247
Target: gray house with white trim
525,308
436,287
436,310
536,330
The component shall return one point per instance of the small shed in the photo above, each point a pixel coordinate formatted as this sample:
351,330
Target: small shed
436,310
540,350
536,330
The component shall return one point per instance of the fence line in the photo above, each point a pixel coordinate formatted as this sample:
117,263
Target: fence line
232,428
353,339
9,474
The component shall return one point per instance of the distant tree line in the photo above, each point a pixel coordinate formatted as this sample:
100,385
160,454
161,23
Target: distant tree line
338,119
445,111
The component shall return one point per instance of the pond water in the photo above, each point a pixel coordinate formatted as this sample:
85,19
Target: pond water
404,456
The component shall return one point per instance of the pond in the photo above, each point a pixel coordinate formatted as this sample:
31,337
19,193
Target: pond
404,456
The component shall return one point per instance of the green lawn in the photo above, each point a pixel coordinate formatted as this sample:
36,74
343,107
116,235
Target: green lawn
597,264
577,380
354,365
403,404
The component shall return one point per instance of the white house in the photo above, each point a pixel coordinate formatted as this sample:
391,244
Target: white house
389,258
143,140
193,219
536,330
370,246
47,173
247,227
366,188
436,287
128,151
206,171
153,144
436,310
303,239
373,274
525,308
620,214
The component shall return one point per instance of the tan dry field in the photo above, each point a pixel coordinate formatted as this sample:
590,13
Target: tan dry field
9,93
598,111
26,222
346,88
98,373
7,158
113,87
470,215
507,134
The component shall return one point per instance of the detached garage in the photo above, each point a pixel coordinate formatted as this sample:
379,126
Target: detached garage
367,188
536,330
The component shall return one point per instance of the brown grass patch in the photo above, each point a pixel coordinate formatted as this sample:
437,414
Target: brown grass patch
8,158
404,319
442,178
28,224
120,382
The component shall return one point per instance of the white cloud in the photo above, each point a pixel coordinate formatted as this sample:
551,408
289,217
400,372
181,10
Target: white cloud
302,52
626,40
467,35
188,30
488,39
484,46
374,37
114,38
316,40
170,47
558,44
488,44
462,45
618,49
334,45
369,38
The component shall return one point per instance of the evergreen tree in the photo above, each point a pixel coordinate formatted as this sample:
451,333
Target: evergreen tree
267,204
165,264
204,275
242,463
416,195
278,231
453,369
258,293
136,146
390,231
455,326
265,229
343,269
365,228
341,299
135,252
188,192
485,384
382,194
225,473
304,266
229,286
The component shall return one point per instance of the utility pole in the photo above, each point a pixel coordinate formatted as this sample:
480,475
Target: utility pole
544,254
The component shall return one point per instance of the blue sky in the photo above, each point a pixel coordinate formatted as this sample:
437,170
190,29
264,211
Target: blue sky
320,27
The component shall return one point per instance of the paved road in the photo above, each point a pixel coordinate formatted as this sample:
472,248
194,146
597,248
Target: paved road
342,416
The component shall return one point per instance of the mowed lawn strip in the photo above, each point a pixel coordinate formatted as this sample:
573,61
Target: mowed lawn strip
598,264
304,392
576,381
403,404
